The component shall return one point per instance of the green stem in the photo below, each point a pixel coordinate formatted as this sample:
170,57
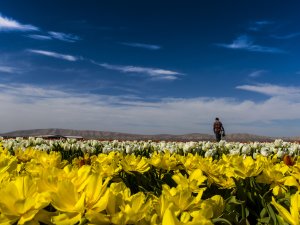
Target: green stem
216,220
243,211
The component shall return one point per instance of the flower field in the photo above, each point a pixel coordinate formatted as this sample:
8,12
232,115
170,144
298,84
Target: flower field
145,182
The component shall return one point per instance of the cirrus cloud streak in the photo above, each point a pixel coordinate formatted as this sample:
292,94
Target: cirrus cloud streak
272,90
8,69
8,24
54,54
141,45
244,42
155,73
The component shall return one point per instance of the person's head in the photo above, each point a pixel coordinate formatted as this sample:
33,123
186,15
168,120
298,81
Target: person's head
217,119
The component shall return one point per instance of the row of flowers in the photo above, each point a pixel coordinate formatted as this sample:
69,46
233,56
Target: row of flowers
204,148
160,186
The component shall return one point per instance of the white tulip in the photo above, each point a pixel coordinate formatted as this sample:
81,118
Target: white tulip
280,154
246,149
278,142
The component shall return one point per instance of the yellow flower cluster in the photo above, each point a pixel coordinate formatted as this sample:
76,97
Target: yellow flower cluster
117,188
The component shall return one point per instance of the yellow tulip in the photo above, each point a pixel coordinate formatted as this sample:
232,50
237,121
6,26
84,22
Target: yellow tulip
96,192
247,167
279,190
275,175
293,216
118,192
49,178
78,176
80,180
124,208
67,199
97,218
195,179
213,207
293,180
166,161
169,217
185,217
52,159
72,201
26,155
159,205
199,219
182,198
106,165
69,202
4,179
106,170
191,162
135,208
218,172
80,161
20,201
132,163
67,218
8,163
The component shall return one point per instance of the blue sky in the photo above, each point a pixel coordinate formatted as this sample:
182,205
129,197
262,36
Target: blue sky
150,67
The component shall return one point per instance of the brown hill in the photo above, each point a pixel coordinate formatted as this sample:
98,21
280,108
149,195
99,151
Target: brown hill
103,135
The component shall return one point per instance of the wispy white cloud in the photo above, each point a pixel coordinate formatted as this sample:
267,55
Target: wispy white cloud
141,45
258,25
42,107
8,24
244,42
263,22
272,90
39,37
287,36
55,35
54,55
8,69
257,73
155,73
63,36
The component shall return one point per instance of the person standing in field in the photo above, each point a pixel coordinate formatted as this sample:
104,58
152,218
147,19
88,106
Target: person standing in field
218,129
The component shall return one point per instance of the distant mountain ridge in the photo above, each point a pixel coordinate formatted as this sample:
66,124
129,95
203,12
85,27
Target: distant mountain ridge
104,135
